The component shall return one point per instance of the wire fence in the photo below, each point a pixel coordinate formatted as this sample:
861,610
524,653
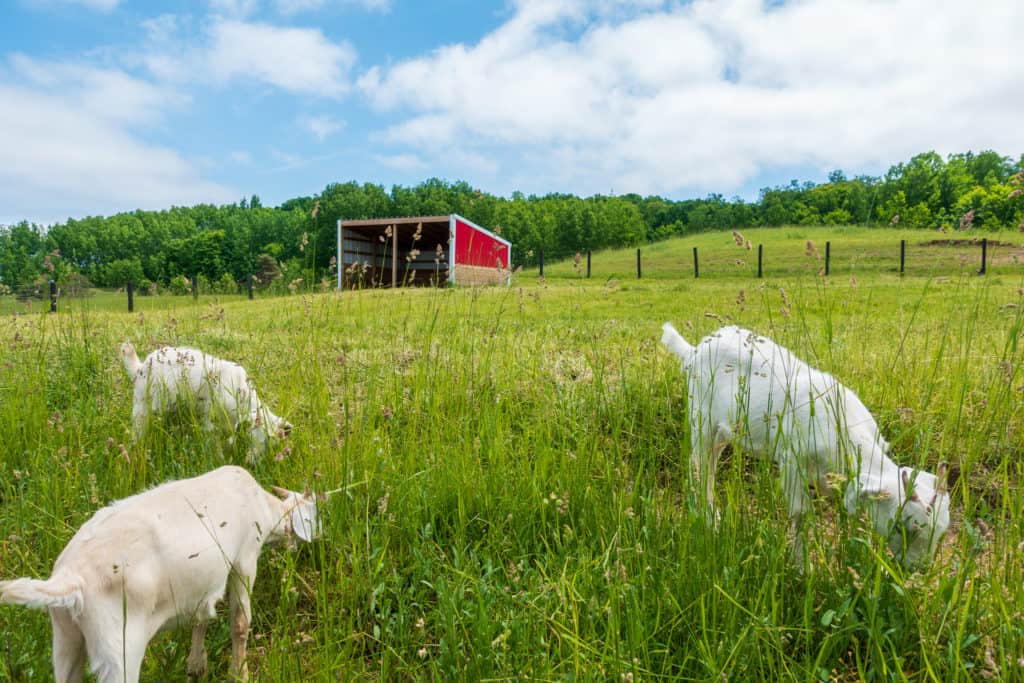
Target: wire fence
934,257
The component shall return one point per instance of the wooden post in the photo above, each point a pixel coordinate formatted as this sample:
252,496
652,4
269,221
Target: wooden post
394,255
53,296
638,273
588,264
984,254
131,296
828,256
760,258
903,255
248,286
540,261
195,286
373,268
696,265
340,261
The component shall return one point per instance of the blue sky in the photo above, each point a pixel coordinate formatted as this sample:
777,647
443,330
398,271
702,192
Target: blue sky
112,105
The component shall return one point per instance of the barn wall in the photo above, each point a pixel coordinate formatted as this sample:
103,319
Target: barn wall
476,248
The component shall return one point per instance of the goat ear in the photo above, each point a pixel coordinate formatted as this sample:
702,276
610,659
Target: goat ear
303,519
283,494
908,485
942,478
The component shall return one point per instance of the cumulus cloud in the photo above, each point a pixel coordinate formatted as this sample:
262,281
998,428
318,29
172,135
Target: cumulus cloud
69,146
295,60
651,96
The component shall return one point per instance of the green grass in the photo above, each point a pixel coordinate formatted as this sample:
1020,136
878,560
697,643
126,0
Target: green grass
855,251
521,506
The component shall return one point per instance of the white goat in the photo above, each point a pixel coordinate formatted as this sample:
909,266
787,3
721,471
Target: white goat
171,373
160,559
747,388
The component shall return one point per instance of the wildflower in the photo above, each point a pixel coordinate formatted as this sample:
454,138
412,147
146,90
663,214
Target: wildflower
894,220
422,653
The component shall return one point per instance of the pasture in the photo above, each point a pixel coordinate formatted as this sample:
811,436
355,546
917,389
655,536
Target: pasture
515,460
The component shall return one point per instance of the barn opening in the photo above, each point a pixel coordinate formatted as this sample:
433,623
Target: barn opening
420,251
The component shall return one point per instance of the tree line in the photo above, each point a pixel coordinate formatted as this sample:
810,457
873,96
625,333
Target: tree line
294,243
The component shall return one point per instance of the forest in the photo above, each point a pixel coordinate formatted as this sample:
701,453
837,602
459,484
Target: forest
294,243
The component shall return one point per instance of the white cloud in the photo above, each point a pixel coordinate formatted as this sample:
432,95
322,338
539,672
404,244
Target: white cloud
297,60
68,148
651,96
109,94
228,52
321,126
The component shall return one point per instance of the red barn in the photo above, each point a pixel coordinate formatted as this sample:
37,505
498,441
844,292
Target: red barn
420,250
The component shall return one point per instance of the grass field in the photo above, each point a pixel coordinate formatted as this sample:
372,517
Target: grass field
519,502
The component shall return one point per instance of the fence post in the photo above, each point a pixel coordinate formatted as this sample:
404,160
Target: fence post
984,254
195,286
638,273
588,264
53,296
760,257
696,265
248,285
903,255
131,296
540,260
828,255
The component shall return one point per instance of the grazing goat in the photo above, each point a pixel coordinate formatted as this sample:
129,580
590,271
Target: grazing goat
747,388
172,373
160,559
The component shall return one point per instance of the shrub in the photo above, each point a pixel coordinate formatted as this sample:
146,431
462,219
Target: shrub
179,285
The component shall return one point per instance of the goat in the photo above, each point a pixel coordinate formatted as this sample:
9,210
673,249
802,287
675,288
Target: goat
157,560
172,373
743,387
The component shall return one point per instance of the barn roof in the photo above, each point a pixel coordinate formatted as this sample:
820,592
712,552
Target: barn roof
384,222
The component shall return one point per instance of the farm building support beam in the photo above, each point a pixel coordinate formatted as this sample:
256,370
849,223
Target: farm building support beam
341,257
394,255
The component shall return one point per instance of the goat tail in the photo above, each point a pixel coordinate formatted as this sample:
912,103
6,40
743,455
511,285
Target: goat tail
61,590
130,358
675,343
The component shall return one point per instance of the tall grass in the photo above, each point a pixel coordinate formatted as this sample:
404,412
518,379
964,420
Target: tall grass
519,505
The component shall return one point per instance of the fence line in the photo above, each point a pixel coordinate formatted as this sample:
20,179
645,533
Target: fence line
35,291
761,264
